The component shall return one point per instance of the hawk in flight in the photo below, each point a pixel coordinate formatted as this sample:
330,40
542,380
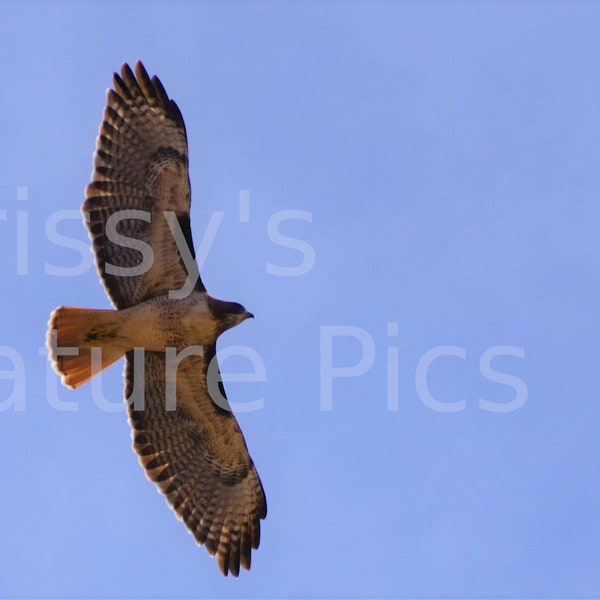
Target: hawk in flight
137,211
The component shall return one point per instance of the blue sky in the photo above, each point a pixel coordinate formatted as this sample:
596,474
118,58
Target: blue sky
427,175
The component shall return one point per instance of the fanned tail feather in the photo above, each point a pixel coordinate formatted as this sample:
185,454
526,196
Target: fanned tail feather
81,342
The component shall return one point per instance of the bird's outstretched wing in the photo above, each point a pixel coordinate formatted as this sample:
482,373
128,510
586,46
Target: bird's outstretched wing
137,206
196,454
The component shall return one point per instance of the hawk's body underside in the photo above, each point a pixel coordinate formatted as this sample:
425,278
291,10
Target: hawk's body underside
166,324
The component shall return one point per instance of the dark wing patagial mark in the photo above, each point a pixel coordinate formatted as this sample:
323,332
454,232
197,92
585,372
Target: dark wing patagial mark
140,164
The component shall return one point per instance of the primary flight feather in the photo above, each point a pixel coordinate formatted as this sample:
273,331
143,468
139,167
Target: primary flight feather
137,211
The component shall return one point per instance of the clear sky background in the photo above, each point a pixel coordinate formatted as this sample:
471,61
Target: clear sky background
443,163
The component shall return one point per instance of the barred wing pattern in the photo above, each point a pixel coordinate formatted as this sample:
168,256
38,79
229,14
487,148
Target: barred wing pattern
198,457
140,164
196,454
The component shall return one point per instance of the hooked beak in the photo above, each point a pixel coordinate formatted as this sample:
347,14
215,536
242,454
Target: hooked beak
248,315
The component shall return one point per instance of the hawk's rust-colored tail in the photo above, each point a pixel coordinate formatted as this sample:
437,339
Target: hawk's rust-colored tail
82,342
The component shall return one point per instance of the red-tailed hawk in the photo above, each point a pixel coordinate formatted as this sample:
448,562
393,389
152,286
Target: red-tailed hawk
137,211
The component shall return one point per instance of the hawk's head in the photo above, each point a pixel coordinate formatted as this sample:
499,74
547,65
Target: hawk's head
228,314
